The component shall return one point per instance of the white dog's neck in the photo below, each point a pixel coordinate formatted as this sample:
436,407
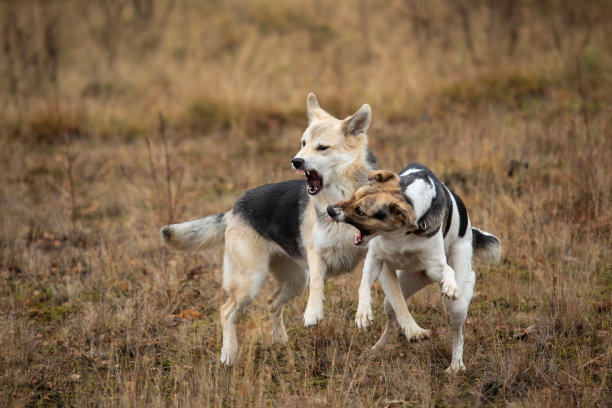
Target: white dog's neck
330,195
343,187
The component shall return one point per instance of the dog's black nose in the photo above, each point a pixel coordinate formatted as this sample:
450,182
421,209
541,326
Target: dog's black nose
331,211
297,163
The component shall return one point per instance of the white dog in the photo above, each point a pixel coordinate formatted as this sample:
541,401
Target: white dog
283,229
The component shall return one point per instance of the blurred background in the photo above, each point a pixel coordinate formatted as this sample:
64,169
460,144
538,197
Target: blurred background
119,116
108,67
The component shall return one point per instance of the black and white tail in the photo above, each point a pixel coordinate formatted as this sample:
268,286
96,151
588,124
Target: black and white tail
486,247
190,236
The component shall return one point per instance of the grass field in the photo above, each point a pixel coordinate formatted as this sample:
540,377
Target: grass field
509,102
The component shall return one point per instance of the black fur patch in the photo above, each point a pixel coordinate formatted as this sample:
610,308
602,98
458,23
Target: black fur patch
371,159
275,211
428,233
433,217
449,212
483,241
380,214
166,233
463,215
435,214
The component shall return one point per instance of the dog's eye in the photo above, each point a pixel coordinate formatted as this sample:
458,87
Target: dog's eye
303,143
321,148
359,212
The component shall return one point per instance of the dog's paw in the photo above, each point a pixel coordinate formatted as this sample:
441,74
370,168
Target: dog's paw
364,316
279,336
228,357
417,333
455,366
313,315
449,289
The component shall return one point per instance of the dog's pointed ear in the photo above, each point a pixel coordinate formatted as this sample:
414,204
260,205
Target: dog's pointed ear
313,108
358,123
382,176
312,102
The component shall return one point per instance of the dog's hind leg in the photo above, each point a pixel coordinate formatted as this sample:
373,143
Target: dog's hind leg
395,305
390,328
291,280
461,262
411,282
245,268
458,312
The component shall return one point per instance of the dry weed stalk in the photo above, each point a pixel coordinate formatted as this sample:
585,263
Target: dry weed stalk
70,159
171,203
362,8
466,25
162,134
160,193
589,165
151,162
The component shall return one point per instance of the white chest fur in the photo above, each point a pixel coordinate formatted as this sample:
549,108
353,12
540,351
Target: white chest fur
334,242
402,251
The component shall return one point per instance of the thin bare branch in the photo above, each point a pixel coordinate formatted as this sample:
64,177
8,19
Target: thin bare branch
162,134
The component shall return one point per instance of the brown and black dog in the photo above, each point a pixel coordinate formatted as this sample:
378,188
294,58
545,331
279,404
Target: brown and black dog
414,224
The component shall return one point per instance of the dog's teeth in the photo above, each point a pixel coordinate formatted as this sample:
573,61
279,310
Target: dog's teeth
307,173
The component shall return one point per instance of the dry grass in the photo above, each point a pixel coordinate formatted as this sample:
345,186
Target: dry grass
509,102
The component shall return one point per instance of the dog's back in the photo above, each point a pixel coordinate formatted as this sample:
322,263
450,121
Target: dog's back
438,207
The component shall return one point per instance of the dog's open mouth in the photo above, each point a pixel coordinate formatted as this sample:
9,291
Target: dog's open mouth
314,180
358,238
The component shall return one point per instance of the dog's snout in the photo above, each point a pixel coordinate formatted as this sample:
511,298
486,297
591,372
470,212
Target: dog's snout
298,163
331,210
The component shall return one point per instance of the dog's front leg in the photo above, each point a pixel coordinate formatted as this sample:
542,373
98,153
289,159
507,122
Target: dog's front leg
437,269
371,270
314,309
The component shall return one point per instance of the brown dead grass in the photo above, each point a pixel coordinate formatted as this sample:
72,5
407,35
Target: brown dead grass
521,129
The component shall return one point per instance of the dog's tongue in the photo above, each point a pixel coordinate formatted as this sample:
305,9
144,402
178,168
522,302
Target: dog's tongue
358,239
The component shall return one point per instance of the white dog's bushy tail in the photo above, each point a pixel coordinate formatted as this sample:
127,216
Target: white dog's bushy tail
193,235
486,247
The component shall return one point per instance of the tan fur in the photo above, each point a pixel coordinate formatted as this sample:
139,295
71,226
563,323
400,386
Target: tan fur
248,257
382,176
356,172
343,167
383,196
